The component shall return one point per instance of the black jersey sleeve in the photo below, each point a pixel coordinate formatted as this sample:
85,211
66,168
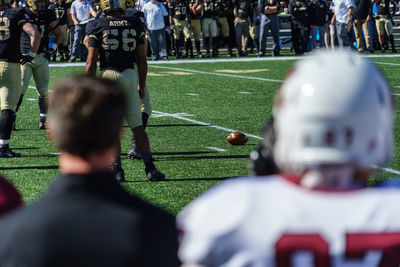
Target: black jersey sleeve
22,17
93,30
140,30
51,16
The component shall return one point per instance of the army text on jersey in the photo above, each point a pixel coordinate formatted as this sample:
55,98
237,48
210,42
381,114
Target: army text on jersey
116,39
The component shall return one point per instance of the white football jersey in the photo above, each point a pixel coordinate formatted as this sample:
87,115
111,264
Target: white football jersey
271,221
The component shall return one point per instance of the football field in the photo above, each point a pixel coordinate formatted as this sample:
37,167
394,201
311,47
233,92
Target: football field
196,104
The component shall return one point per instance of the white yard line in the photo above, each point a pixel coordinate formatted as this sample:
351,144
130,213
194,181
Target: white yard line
179,117
218,74
386,63
216,148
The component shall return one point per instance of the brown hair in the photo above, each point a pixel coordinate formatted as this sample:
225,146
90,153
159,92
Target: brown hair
86,114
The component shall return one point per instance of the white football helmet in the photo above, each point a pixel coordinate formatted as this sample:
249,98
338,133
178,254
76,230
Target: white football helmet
333,108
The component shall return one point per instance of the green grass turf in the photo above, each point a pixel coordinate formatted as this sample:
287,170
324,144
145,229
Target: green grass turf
180,147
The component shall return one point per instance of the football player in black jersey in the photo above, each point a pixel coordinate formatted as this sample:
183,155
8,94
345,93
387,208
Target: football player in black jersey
45,21
178,18
62,8
13,22
121,45
383,23
209,26
195,8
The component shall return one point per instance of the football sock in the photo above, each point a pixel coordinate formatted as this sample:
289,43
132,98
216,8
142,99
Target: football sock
6,121
207,42
391,40
148,161
43,100
197,44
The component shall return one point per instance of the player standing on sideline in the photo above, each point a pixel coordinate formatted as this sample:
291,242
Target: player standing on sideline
209,26
178,18
62,10
195,7
120,43
329,132
45,21
13,22
222,9
383,23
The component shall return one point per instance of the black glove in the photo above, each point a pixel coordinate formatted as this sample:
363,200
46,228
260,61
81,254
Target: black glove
48,53
257,21
25,58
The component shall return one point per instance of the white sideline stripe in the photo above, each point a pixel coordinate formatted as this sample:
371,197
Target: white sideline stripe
247,59
245,93
31,99
203,123
192,94
386,63
386,169
219,74
216,148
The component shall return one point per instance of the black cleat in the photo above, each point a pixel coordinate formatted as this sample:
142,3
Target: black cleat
154,176
6,152
119,174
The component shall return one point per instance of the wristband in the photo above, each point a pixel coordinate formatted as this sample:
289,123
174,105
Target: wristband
31,54
54,46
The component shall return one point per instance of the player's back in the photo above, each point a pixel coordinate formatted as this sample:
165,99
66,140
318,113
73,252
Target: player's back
117,39
273,222
11,23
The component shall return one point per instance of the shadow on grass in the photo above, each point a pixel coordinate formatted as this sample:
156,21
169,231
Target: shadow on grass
181,180
203,157
30,168
176,125
170,125
182,153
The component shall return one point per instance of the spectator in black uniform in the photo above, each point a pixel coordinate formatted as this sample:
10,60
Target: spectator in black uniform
300,25
86,218
319,19
269,21
361,18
